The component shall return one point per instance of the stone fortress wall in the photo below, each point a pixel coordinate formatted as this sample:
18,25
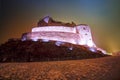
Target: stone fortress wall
80,34
49,29
54,29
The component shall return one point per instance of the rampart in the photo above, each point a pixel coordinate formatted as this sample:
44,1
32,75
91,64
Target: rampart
80,35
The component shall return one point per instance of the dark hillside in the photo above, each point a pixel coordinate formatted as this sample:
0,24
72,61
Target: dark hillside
26,51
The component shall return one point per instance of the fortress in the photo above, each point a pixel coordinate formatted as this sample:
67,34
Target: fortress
48,29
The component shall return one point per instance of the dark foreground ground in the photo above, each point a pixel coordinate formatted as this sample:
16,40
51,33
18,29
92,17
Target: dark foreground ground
106,68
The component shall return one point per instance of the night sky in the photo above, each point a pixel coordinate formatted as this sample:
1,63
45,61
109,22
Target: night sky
103,17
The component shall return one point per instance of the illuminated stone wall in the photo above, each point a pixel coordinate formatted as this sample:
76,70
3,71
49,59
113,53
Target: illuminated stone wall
56,36
86,36
80,35
55,29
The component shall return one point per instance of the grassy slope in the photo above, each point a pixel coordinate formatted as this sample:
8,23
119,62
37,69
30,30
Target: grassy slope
106,68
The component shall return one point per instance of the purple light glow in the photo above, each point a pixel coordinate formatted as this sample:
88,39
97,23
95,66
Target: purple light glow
92,49
58,43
